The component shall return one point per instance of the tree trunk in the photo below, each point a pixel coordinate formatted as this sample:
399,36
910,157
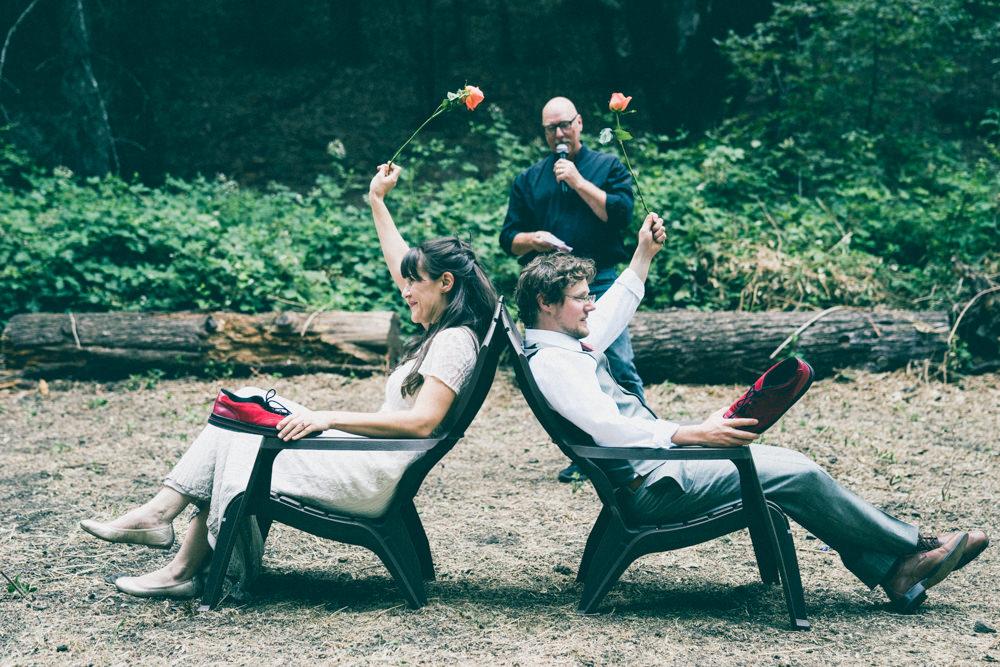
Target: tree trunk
94,144
675,345
694,346
109,345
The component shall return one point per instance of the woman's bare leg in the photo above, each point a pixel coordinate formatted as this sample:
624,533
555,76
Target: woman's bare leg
190,558
161,509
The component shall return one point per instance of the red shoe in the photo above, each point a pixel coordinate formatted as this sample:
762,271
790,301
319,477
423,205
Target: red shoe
249,414
772,394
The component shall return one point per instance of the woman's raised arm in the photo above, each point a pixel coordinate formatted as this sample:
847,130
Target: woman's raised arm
393,245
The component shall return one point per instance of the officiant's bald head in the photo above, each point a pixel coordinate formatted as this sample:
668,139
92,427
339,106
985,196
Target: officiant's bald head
562,124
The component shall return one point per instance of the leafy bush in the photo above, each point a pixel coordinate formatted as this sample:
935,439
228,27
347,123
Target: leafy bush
756,223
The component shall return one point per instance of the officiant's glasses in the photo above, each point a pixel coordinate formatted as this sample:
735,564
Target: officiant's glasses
562,125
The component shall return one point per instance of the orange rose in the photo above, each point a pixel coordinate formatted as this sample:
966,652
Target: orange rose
473,96
619,102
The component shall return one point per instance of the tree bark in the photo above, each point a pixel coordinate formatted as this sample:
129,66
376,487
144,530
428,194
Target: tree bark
674,345
109,345
94,143
700,347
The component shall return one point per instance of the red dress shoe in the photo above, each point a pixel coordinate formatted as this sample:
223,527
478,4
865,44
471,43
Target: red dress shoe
249,414
772,394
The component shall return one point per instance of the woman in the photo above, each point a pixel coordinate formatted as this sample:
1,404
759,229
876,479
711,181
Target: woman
450,296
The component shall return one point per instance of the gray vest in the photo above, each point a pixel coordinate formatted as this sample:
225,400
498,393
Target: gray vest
630,405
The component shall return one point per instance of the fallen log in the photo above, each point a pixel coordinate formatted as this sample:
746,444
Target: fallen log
674,345
109,345
711,347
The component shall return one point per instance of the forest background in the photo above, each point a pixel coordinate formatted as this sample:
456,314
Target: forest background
215,154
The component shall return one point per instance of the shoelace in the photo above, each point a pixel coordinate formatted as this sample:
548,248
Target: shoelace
275,405
927,543
744,400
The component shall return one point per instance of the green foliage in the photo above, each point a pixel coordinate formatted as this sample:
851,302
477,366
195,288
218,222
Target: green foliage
747,234
19,587
893,68
141,381
755,222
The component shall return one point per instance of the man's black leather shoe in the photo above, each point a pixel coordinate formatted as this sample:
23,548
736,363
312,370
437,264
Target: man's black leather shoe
571,473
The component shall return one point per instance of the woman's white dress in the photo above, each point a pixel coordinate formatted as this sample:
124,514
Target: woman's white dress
217,465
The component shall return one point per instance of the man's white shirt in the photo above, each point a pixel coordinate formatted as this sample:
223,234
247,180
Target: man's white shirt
568,379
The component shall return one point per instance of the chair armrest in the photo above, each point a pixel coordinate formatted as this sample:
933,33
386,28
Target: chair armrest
660,454
353,444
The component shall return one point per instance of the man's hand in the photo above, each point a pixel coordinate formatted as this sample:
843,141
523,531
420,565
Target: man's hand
565,170
547,242
384,180
301,424
539,241
716,431
651,238
652,234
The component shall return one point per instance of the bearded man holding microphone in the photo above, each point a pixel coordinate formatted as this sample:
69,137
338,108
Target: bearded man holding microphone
579,201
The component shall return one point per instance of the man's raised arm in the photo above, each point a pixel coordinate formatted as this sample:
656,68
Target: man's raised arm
651,238
615,309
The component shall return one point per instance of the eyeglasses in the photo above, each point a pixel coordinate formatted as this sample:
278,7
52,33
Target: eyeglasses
581,299
562,125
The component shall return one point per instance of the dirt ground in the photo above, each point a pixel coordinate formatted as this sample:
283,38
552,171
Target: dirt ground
506,539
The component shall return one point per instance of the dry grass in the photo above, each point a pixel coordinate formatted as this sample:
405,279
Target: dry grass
506,540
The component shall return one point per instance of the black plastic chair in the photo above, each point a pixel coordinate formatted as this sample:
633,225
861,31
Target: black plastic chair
617,539
397,537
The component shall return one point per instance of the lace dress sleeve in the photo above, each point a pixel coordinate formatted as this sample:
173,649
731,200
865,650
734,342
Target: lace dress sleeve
451,357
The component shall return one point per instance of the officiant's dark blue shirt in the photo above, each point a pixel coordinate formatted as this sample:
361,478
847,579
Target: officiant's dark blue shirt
538,203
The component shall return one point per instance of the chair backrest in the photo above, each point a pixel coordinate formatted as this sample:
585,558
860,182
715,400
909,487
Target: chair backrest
465,408
564,433
469,402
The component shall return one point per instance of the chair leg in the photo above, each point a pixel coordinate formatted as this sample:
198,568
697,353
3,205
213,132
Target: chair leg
765,546
600,525
265,528
791,580
609,560
223,552
419,538
396,551
767,560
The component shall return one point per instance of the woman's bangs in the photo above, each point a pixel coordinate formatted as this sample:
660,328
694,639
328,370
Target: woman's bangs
410,266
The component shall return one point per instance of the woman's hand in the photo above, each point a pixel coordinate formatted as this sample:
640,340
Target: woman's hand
384,180
716,431
301,424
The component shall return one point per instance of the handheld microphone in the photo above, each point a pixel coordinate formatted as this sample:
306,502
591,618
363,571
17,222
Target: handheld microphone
562,151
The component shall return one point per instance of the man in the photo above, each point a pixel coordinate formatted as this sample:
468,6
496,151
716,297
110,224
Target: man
565,337
580,203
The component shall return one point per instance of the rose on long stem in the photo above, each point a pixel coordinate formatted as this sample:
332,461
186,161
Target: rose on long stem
440,110
470,95
628,165
617,104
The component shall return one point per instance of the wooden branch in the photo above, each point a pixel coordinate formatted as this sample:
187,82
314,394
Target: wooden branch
6,45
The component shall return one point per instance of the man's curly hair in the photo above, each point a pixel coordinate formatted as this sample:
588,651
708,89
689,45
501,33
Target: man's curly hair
549,275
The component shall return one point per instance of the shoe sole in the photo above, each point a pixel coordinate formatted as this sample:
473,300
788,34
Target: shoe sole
805,388
917,595
242,427
169,593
